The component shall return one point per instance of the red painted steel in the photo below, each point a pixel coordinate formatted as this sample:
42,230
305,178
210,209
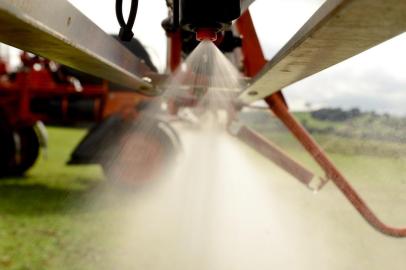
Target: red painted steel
36,80
254,63
276,105
254,58
206,34
175,47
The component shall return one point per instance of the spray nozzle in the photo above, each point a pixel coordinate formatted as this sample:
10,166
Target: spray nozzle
206,34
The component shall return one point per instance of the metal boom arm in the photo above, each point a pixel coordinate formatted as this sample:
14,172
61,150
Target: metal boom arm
340,29
57,30
278,106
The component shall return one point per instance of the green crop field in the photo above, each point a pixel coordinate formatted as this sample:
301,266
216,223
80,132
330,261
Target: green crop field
40,225
44,224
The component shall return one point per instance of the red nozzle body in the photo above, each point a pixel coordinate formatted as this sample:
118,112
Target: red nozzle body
206,34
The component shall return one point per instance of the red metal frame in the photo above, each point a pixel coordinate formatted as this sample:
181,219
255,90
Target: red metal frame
175,49
174,61
254,61
35,79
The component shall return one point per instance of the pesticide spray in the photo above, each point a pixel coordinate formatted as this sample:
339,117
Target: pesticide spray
210,209
220,205
209,81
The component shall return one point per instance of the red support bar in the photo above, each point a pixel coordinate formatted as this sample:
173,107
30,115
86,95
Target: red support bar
254,61
279,109
174,61
175,50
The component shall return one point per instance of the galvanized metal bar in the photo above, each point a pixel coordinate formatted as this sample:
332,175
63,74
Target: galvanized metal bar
266,148
245,4
339,30
57,30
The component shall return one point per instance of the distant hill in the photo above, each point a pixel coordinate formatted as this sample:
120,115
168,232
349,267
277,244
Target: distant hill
339,131
354,124
343,123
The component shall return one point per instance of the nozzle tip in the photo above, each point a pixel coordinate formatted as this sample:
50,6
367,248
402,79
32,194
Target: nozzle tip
206,34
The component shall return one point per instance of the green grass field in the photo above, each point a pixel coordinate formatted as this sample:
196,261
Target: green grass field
40,225
43,224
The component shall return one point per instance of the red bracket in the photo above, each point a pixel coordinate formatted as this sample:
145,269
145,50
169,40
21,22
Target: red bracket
254,61
276,104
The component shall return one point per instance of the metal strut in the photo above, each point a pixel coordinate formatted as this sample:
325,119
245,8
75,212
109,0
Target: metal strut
277,106
57,30
253,64
272,152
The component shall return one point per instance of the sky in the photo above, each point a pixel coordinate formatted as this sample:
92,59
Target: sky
374,80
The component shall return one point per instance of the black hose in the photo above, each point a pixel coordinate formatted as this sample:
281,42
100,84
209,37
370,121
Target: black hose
176,14
126,33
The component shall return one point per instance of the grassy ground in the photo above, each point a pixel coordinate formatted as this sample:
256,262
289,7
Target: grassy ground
40,225
43,224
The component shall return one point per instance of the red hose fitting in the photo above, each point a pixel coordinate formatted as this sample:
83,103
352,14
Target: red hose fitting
206,34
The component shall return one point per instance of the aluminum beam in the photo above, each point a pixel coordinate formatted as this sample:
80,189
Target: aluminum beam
57,30
339,30
245,4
